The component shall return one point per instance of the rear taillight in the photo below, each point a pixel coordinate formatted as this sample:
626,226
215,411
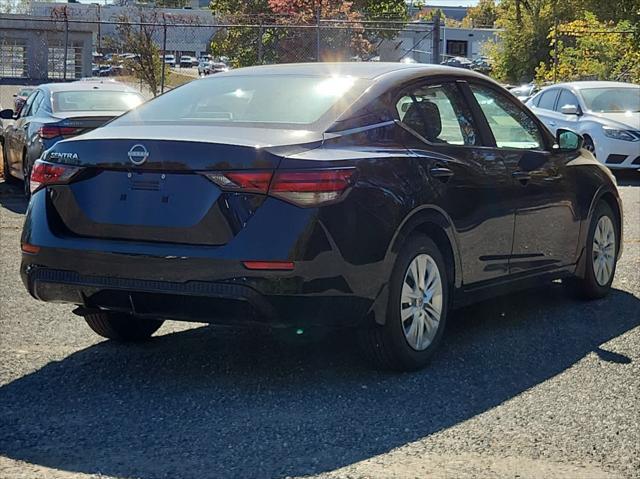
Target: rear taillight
48,132
249,181
301,187
310,188
43,174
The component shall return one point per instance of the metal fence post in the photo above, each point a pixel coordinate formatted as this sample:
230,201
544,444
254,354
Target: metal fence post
164,52
318,11
66,45
435,56
260,45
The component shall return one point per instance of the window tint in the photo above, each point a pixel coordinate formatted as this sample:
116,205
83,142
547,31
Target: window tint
439,114
547,99
566,98
511,126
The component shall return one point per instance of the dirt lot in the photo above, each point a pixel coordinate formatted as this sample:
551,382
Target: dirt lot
529,385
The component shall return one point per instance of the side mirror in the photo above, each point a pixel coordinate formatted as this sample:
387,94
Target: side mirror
7,114
570,110
568,140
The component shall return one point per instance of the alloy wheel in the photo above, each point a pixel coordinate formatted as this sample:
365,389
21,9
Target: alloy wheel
421,302
604,249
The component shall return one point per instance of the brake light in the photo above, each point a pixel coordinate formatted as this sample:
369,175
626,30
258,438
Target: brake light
43,174
269,265
249,181
307,188
302,187
48,132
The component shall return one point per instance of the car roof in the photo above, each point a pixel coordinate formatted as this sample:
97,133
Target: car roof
583,85
88,86
364,70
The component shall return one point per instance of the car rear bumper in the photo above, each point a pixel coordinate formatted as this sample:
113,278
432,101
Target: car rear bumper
234,301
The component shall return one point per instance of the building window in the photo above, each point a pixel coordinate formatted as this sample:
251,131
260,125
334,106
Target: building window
13,59
457,48
56,62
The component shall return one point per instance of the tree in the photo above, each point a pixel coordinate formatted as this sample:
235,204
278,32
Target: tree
243,45
142,39
483,15
523,42
589,48
339,40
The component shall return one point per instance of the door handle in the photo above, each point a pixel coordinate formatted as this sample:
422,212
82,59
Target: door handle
522,176
441,172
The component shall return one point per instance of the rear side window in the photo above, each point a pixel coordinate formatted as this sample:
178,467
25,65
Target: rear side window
95,100
438,113
566,98
547,99
510,125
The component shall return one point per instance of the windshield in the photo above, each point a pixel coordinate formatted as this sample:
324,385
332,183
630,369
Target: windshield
271,99
25,92
95,100
612,99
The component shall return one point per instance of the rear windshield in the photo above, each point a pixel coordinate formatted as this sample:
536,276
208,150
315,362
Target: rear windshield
273,100
95,100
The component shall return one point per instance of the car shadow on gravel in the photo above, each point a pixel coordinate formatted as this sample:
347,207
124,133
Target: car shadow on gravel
204,403
11,197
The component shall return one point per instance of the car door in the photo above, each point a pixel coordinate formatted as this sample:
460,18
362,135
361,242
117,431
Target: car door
543,106
459,175
569,121
542,189
17,142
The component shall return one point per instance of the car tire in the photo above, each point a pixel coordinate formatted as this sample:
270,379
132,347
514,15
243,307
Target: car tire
122,326
8,177
26,181
589,145
600,267
391,346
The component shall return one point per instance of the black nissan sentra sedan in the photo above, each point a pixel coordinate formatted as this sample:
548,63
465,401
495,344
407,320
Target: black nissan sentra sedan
368,196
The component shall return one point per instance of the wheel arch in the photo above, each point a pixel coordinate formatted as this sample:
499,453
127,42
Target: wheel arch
433,222
436,224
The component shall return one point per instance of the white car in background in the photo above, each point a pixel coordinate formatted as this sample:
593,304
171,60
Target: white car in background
606,114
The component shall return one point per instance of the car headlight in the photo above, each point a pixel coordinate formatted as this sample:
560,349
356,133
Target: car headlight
617,134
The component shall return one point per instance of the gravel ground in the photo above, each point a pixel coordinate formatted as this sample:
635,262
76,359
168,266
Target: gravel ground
528,385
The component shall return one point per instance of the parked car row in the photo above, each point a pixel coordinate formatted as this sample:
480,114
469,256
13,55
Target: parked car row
57,111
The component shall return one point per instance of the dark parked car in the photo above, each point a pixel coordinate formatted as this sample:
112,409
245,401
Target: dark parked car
21,97
373,196
56,111
458,62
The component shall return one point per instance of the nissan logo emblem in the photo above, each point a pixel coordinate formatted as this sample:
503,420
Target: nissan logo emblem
138,154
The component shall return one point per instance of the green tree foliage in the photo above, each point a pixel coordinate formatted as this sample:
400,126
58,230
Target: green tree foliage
523,42
589,48
483,15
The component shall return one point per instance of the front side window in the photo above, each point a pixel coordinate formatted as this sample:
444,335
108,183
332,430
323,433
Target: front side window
26,107
566,98
438,113
510,125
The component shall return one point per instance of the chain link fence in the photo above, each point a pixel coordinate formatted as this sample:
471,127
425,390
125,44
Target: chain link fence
156,49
